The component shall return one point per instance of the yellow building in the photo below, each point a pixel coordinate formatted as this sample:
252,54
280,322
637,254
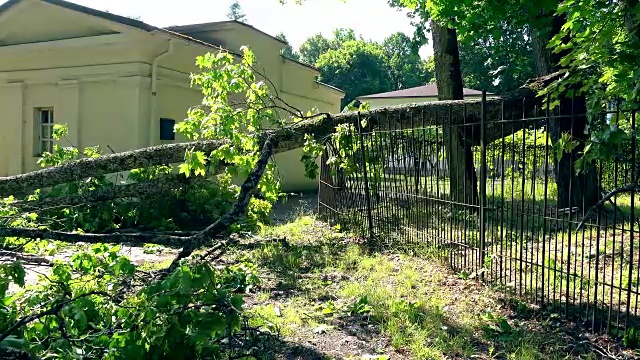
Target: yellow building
115,81
418,94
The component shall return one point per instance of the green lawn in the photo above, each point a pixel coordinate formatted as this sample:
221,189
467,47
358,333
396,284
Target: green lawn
325,295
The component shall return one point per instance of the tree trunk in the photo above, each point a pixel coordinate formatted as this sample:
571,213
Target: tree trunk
463,179
575,189
631,21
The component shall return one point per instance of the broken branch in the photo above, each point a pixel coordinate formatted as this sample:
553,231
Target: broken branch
102,165
113,238
239,208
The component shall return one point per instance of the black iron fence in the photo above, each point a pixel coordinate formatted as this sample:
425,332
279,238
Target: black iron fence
503,195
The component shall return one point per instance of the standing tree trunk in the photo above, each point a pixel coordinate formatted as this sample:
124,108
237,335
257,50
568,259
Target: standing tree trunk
574,189
631,20
463,180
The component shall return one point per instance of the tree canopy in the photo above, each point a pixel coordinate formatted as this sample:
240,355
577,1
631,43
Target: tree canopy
317,44
406,68
236,13
362,67
288,50
357,67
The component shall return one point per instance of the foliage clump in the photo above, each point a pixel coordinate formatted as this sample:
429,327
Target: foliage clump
97,303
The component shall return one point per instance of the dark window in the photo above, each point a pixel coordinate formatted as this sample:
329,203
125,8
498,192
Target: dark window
166,129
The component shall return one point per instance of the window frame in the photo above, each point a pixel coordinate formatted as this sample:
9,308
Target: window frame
42,128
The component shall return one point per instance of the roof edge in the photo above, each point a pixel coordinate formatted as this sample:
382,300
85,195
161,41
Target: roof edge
300,63
101,14
410,96
338,90
194,28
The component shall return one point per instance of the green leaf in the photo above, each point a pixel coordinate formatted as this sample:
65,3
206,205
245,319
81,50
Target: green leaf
80,319
237,301
13,342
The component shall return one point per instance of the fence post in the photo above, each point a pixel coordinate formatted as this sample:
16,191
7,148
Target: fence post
482,193
366,179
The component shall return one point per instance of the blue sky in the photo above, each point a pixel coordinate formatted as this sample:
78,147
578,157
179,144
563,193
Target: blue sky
374,19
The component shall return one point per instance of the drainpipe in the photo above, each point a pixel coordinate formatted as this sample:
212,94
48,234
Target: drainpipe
153,124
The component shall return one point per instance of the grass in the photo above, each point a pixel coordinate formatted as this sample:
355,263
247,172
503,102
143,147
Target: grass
326,291
530,248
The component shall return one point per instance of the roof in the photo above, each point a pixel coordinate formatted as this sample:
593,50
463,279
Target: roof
112,17
202,27
192,28
300,63
89,11
429,90
179,32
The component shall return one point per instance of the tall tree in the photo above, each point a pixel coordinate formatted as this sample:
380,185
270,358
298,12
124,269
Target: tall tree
288,50
463,181
498,62
357,67
235,12
317,45
574,188
341,36
549,44
313,47
406,68
462,174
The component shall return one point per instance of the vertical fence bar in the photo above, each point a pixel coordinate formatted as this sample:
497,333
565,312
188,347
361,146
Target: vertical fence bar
634,179
367,195
482,194
633,214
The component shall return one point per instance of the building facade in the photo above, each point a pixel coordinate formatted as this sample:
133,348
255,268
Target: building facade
116,82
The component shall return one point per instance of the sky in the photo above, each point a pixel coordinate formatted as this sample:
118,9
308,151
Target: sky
373,19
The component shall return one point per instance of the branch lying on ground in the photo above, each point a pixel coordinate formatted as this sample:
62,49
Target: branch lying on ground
189,243
114,238
133,190
629,188
29,259
8,353
51,311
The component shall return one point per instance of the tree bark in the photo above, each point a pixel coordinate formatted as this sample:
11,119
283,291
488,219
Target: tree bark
107,164
113,238
463,180
134,190
631,21
575,189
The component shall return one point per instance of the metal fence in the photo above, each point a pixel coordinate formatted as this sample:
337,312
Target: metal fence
484,192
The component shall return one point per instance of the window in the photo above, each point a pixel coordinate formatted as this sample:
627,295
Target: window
44,130
166,129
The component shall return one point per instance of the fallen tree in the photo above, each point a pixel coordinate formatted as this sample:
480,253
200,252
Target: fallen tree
520,103
102,165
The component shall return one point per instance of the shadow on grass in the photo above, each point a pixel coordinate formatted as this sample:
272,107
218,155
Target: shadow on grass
292,263
272,347
410,328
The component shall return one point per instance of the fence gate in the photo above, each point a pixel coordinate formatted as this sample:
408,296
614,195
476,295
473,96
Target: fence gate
489,193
